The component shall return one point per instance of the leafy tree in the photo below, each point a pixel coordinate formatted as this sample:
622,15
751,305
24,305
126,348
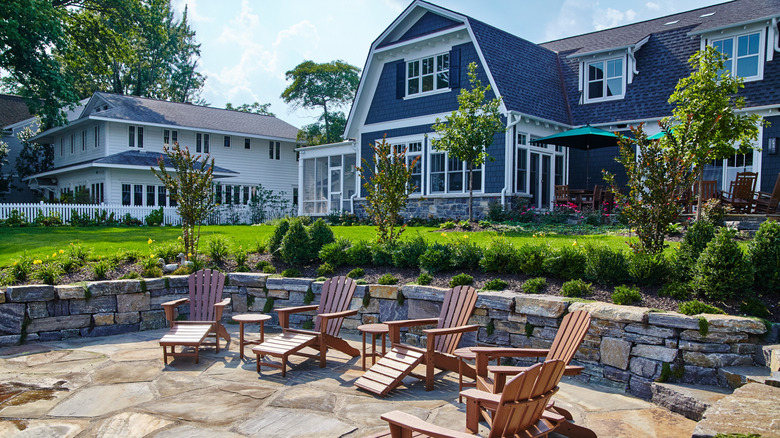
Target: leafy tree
190,184
468,132
326,86
28,30
658,176
34,157
316,133
704,122
387,189
255,108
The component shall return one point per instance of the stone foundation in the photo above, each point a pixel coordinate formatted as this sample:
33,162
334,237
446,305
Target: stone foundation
625,348
449,208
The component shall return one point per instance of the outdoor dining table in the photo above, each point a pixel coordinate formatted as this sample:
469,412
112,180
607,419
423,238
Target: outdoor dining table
577,196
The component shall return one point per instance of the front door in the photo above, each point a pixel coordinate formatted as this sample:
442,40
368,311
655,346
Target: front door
540,169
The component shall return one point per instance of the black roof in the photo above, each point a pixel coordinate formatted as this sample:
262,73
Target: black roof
141,109
13,109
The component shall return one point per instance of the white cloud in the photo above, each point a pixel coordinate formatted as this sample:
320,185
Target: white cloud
193,16
612,17
653,6
569,20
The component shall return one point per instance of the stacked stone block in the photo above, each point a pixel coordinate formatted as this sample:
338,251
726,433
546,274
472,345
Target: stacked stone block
626,347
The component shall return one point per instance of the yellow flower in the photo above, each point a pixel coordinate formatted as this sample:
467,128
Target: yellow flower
37,262
150,241
15,263
444,234
574,244
465,236
54,255
179,237
189,254
62,251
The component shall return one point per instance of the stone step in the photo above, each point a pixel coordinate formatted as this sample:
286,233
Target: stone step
769,355
734,377
688,400
751,409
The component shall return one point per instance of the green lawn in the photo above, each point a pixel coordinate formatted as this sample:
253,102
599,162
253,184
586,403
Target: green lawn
104,241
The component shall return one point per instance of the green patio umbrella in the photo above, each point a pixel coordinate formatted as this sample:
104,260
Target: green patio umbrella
586,138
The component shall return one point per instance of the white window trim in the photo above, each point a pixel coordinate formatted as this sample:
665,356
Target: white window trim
405,140
584,78
435,90
530,148
432,150
733,35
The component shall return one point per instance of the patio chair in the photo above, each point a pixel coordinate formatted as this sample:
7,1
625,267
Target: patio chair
400,361
571,333
562,196
334,304
709,190
592,202
767,202
520,409
205,290
742,192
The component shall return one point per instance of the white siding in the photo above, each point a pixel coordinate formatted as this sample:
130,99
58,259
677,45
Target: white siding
62,154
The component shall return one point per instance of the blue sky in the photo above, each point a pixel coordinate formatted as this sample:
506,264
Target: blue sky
248,45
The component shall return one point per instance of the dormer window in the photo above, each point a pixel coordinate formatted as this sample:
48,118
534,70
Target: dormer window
605,80
744,57
428,74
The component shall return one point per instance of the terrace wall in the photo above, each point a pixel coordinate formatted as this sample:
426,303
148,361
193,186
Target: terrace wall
624,348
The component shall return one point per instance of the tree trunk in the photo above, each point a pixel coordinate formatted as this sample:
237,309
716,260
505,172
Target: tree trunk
471,193
700,200
327,125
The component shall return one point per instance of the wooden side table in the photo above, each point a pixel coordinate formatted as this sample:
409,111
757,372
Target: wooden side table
464,354
250,318
375,330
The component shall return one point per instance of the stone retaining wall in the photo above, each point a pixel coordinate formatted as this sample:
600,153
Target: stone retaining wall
625,347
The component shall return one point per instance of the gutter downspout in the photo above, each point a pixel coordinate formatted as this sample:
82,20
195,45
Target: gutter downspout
776,42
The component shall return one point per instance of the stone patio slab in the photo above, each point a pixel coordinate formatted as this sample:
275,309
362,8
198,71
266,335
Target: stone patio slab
190,431
42,428
279,423
208,406
95,401
129,424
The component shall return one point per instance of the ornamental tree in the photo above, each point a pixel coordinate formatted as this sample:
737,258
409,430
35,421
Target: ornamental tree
468,132
659,173
189,182
704,122
387,188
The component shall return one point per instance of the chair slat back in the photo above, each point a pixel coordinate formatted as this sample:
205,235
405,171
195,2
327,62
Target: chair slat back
458,304
570,335
745,186
206,288
562,194
525,398
336,297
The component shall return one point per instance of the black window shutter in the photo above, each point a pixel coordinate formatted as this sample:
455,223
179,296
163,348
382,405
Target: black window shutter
400,80
455,68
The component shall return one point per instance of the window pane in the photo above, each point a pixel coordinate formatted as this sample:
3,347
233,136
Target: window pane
747,45
413,86
247,143
427,83
175,136
596,89
198,143
455,175
349,175
747,67
335,161
595,71
427,66
166,136
614,87
442,80
443,62
522,167
321,168
437,172
414,69
415,147
476,183
140,137
131,136
206,143
138,195
227,141
150,195
335,181
125,194
308,179
161,195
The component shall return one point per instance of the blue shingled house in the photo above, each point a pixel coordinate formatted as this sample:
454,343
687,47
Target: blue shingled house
610,79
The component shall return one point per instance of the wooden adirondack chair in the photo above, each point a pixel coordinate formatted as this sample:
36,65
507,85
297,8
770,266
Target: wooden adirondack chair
742,192
520,409
562,196
570,335
334,304
205,287
767,202
442,341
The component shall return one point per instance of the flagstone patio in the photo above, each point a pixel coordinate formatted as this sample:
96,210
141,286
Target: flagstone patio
118,386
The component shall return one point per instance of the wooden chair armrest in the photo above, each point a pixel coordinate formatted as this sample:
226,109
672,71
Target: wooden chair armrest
552,416
327,316
223,303
395,327
451,330
495,352
506,370
402,421
175,303
485,399
284,313
573,370
219,307
170,309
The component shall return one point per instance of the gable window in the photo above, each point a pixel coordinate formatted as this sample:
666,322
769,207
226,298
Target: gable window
170,137
605,79
247,143
135,136
201,143
428,74
227,141
743,55
274,149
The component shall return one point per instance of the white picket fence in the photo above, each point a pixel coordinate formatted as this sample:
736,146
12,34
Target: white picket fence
232,214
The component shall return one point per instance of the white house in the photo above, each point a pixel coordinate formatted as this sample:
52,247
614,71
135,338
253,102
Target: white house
109,148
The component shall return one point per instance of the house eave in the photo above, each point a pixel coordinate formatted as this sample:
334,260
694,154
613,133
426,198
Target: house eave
767,19
192,128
